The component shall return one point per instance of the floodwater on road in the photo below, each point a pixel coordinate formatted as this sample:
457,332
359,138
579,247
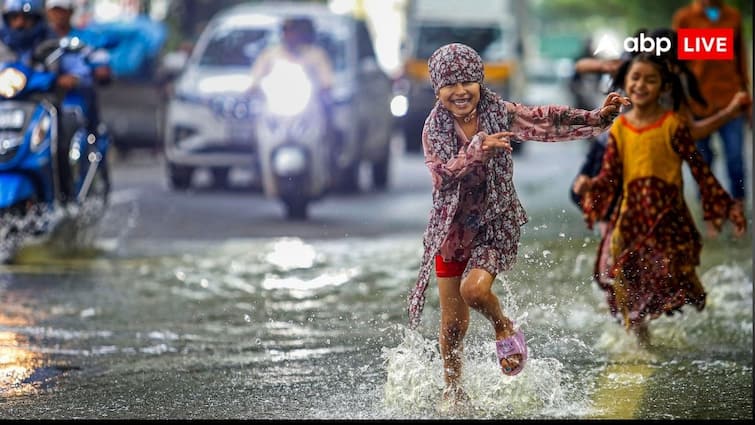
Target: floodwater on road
286,328
297,328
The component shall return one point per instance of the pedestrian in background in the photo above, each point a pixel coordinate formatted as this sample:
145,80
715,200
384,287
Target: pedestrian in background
474,225
720,81
654,245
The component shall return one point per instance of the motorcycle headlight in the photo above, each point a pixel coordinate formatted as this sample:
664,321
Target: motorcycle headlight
399,105
287,88
40,132
12,119
12,81
289,161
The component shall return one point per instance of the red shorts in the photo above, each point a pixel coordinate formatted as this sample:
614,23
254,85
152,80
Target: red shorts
449,268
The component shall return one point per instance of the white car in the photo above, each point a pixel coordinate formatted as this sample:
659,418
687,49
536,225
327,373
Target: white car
206,126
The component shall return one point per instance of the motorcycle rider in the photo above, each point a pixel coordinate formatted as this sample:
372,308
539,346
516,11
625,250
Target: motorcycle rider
297,45
24,29
59,14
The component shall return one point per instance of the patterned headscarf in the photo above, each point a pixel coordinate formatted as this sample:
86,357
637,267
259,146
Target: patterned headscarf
454,63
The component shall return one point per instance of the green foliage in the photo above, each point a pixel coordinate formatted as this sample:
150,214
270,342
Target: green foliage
633,14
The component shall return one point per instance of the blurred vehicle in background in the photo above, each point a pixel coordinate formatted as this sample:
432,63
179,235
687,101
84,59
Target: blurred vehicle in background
131,104
488,26
548,80
206,125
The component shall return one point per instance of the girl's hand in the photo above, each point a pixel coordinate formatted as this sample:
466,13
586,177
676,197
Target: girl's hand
67,81
581,184
738,104
737,218
493,143
612,105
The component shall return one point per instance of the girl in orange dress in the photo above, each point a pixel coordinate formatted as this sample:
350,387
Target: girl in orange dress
655,246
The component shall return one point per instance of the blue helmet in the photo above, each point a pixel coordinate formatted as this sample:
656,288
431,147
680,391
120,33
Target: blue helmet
25,38
32,7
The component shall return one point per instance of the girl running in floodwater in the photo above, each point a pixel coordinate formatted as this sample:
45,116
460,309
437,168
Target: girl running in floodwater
655,246
474,226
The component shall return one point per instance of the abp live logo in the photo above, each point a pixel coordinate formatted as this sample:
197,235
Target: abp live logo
705,43
692,43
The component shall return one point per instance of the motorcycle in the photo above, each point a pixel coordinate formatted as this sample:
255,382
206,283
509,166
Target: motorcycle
293,138
41,131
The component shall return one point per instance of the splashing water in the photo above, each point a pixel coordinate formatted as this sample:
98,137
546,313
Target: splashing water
67,229
414,382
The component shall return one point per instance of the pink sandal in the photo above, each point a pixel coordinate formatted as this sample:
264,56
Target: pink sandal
511,346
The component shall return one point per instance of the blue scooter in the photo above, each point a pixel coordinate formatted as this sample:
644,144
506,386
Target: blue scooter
44,144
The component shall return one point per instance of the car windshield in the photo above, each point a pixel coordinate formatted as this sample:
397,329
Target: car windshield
241,46
234,47
485,40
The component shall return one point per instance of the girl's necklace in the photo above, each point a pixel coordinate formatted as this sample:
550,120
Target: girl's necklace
467,118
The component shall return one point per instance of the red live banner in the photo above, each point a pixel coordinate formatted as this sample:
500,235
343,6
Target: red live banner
705,43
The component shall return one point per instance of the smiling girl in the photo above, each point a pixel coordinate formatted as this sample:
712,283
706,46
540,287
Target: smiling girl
655,246
474,226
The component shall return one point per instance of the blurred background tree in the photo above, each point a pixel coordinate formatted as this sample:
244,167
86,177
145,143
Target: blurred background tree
634,14
565,26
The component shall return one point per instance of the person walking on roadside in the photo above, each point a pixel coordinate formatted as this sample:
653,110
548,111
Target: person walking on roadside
720,81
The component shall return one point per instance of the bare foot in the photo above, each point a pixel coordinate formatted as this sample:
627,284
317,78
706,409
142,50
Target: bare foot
710,230
455,395
454,399
643,334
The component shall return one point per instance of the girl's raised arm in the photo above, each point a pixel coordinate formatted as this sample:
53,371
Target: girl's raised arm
554,123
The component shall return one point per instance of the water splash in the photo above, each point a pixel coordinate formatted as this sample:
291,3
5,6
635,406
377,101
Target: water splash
414,383
62,230
17,230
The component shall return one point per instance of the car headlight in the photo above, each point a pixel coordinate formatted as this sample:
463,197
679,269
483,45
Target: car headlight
182,132
287,88
12,81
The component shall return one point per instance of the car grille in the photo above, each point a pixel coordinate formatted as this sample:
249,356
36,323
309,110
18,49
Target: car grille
229,146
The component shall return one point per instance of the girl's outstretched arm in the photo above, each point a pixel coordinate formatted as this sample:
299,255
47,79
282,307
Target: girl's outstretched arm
717,204
705,126
551,123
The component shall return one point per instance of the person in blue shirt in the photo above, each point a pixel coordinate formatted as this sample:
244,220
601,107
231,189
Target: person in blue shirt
59,14
24,29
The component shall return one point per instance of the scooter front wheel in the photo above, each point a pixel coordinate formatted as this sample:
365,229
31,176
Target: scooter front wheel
296,208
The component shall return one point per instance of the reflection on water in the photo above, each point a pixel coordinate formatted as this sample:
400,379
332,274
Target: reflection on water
18,362
290,329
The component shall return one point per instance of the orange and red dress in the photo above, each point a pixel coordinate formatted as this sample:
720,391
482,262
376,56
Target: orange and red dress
654,247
